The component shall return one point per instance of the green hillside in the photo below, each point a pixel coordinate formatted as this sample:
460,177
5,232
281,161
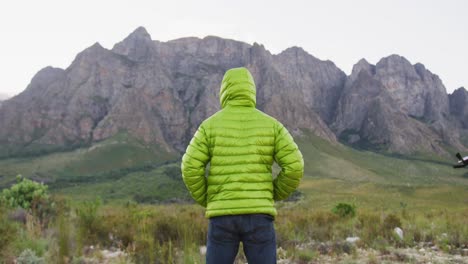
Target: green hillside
123,169
106,161
324,160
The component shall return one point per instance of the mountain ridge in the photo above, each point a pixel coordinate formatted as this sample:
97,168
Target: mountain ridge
160,92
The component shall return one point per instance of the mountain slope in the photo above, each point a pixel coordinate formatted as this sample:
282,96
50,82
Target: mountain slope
124,168
159,92
459,106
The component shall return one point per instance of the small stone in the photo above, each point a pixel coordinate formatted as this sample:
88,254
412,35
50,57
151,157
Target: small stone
399,232
107,254
352,239
203,250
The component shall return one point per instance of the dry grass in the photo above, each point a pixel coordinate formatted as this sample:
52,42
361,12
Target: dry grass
174,233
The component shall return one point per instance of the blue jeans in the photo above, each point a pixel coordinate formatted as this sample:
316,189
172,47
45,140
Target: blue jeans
255,231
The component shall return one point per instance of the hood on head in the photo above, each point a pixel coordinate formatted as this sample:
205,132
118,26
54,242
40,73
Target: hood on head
237,88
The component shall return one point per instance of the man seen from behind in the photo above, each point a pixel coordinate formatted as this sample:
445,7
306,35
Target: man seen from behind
241,143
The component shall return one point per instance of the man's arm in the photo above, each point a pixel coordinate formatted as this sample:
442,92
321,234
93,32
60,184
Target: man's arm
289,158
193,166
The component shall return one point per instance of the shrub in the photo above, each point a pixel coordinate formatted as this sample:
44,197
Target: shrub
27,242
29,257
323,225
306,256
87,213
391,221
344,210
88,222
25,194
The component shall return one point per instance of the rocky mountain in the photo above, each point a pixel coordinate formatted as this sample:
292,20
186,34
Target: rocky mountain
459,106
159,92
401,107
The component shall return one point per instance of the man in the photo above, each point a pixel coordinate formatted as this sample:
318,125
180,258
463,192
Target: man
241,143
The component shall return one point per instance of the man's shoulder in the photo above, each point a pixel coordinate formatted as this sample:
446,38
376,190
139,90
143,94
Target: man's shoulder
266,116
213,117
222,115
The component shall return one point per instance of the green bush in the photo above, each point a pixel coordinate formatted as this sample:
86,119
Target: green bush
29,257
26,194
344,210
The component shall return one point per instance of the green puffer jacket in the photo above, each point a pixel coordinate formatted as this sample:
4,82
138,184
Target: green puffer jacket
241,143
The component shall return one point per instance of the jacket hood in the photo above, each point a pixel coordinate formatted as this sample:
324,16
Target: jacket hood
237,88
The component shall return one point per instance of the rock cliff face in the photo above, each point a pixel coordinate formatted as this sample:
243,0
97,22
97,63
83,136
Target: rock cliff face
159,92
459,106
397,106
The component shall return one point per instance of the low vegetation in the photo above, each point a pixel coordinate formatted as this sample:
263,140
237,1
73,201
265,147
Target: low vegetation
112,204
82,232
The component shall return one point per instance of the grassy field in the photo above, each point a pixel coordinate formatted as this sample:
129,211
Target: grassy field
157,185
83,232
114,194
122,169
377,181
324,160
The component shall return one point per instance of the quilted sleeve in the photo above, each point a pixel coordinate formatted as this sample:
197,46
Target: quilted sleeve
289,158
193,166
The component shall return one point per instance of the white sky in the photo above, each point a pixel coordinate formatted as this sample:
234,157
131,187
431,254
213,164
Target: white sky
36,34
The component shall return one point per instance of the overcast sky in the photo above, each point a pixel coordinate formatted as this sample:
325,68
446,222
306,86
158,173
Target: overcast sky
36,34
